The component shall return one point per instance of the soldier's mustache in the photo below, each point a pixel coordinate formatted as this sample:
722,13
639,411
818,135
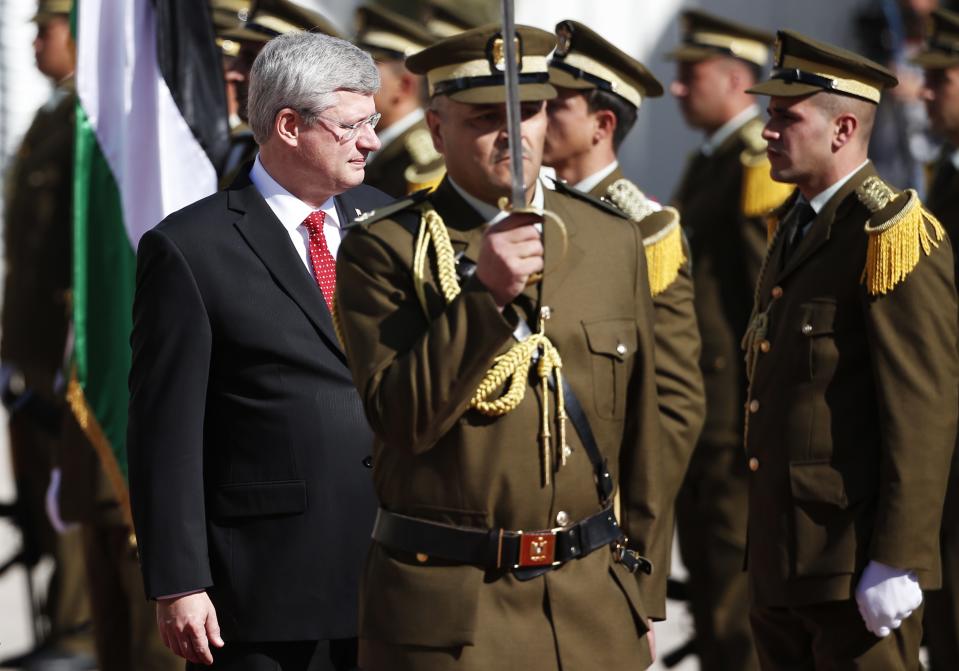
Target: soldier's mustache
503,155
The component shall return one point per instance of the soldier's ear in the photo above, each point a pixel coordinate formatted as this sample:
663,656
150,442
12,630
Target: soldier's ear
605,126
845,128
434,120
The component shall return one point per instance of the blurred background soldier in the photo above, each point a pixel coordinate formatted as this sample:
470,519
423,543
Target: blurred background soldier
722,196
600,89
445,18
940,60
36,306
390,38
265,19
228,19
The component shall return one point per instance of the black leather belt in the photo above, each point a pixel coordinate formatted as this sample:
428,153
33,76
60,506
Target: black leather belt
499,548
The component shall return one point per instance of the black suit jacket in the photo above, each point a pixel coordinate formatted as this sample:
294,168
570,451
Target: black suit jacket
246,437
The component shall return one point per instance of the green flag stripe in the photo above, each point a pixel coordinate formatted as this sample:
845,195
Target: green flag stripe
104,271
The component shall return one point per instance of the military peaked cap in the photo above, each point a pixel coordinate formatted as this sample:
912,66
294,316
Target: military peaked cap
469,67
445,18
803,66
269,18
47,9
388,35
941,49
706,36
584,60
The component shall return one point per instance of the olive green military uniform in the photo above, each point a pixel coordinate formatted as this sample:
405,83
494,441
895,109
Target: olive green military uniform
679,382
37,248
586,62
436,459
852,403
421,339
388,168
941,622
722,198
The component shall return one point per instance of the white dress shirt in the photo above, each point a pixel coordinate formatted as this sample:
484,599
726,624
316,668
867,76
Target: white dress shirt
491,213
291,211
819,200
590,182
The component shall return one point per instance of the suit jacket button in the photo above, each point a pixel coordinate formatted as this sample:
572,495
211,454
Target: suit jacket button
777,292
754,405
753,464
368,462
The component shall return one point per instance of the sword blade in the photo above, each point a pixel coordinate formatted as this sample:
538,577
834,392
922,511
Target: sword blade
513,118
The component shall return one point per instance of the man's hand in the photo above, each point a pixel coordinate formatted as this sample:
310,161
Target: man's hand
886,596
651,638
512,251
188,626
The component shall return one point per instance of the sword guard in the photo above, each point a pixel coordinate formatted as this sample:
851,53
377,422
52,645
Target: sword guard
546,216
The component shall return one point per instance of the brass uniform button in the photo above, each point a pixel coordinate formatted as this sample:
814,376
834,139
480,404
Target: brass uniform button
621,349
807,329
754,405
562,518
753,464
764,346
422,558
777,292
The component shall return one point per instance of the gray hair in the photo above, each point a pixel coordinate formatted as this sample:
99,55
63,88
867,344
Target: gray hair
303,71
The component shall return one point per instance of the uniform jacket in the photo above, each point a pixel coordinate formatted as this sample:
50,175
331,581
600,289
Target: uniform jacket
852,413
37,244
246,437
727,250
679,381
436,459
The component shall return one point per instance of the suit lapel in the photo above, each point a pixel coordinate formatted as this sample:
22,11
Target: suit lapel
821,227
271,243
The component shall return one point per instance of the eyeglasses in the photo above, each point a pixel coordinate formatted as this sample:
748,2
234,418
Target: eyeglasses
353,128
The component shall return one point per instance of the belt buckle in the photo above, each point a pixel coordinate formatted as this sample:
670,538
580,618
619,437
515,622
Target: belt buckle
536,548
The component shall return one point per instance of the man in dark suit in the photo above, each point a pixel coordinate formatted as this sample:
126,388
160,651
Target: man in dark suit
248,447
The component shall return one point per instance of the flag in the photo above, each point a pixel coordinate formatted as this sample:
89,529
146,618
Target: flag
151,126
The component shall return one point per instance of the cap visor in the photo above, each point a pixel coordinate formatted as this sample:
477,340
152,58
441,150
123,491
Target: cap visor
482,95
777,87
244,35
691,53
935,60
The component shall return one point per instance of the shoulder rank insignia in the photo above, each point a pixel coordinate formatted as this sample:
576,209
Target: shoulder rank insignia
900,230
563,187
627,197
372,216
760,193
665,254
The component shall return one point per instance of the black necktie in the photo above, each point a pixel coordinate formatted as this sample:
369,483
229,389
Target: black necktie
800,217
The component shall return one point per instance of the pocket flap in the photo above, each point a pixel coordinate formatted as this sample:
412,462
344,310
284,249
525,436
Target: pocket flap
818,482
819,318
612,337
254,499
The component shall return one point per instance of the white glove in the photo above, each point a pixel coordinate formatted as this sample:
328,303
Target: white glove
886,596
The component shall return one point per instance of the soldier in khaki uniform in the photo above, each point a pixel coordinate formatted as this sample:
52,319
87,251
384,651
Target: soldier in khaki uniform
940,60
600,89
854,382
390,38
722,197
37,266
264,20
496,545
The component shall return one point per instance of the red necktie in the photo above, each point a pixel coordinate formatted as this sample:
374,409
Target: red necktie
324,265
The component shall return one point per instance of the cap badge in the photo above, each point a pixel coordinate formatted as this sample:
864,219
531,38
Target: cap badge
564,40
497,54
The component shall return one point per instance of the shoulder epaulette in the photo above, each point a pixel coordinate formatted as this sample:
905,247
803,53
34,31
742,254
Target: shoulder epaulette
367,218
760,193
664,250
776,215
627,197
900,230
563,187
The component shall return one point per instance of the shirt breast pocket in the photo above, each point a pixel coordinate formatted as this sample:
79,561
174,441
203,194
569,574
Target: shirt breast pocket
612,342
817,328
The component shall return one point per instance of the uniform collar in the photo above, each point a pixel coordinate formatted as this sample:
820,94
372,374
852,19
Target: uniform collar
819,201
490,212
588,184
715,141
393,132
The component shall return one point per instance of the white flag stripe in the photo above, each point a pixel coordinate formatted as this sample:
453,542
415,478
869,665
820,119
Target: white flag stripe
157,162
